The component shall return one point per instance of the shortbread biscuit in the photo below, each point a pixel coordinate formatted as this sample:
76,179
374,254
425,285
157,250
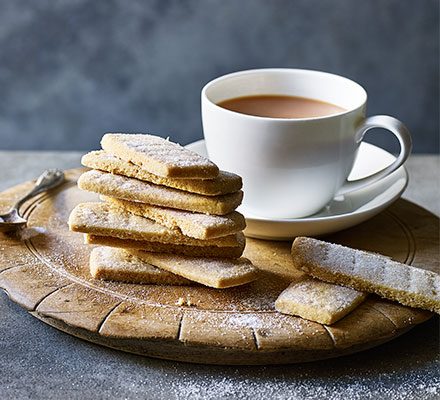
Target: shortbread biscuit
159,156
105,220
119,265
213,272
135,190
225,183
233,251
318,301
195,225
368,272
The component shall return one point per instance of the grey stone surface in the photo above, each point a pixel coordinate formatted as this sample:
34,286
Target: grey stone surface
424,181
73,69
39,362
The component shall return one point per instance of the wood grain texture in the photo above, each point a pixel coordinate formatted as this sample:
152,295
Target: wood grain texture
45,269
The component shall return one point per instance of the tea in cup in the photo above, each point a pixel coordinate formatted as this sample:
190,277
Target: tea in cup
293,136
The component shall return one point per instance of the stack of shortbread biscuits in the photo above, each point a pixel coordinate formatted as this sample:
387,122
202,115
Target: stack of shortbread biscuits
167,216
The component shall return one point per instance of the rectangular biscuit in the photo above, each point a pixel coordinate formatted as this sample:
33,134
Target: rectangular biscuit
195,225
224,183
135,190
213,272
119,265
318,301
368,272
233,251
105,220
159,156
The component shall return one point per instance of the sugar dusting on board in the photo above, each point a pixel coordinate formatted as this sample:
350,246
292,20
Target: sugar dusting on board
28,233
369,383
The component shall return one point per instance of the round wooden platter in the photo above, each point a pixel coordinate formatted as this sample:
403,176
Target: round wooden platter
45,270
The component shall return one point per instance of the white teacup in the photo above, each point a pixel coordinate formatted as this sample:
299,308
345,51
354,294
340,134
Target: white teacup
292,168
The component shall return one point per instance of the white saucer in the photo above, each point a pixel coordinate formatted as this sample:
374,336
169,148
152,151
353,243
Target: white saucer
340,213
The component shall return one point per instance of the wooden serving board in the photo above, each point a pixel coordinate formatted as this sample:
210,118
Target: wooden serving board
45,270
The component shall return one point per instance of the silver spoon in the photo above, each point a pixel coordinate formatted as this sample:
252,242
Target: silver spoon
12,220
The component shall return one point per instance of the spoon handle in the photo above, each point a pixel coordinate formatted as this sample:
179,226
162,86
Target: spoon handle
49,179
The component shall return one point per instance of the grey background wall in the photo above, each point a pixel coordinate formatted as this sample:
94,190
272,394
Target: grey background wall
71,70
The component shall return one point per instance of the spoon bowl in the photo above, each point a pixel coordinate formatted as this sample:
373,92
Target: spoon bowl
12,220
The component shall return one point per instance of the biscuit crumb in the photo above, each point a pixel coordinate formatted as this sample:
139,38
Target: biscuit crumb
180,301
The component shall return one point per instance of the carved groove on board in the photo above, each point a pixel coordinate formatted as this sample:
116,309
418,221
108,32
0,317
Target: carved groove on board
5,291
254,335
9,268
50,294
34,250
409,236
30,209
81,282
330,334
32,205
179,329
106,317
386,316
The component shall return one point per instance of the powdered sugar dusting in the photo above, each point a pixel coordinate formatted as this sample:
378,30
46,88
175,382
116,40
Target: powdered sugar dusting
27,233
320,380
135,190
103,219
248,320
157,148
196,225
214,272
276,388
225,182
368,272
159,156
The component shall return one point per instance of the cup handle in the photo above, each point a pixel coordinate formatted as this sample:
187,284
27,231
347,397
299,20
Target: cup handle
400,131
